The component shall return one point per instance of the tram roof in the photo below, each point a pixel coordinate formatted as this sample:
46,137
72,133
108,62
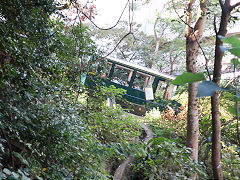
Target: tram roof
141,68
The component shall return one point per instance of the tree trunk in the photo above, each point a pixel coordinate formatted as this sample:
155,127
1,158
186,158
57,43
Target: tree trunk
216,138
216,123
193,35
171,64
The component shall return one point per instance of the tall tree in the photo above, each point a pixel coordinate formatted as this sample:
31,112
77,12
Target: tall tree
193,36
216,123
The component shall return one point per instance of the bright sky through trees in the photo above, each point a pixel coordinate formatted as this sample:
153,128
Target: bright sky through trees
109,11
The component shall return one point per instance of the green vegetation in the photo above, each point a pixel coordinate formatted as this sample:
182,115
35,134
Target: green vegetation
53,127
167,158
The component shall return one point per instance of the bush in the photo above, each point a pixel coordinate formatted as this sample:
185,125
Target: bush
167,160
168,121
77,145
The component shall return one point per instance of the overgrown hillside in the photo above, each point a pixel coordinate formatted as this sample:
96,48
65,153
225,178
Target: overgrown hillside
49,127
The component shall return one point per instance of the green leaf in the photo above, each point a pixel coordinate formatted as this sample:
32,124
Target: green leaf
157,141
12,178
7,171
25,178
235,51
188,78
15,175
1,148
19,156
39,178
207,88
234,42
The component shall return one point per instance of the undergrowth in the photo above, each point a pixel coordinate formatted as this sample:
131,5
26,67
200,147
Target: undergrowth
167,157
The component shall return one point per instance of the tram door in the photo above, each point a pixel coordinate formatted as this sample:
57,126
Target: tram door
149,89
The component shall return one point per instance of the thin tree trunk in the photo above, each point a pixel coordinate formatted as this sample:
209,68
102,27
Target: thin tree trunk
216,123
193,35
171,63
216,138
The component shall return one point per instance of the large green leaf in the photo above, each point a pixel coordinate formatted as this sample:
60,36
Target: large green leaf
188,78
235,51
19,156
234,42
207,88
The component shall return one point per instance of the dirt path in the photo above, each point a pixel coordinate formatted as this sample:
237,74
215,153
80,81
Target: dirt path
122,168
149,133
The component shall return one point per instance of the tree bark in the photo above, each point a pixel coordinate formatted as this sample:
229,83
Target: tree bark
193,36
216,123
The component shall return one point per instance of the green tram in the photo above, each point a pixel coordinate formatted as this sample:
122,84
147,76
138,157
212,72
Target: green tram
142,84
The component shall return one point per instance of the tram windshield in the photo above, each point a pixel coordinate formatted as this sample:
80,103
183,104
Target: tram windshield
121,75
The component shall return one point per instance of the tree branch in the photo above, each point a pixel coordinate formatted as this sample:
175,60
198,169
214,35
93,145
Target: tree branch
179,15
155,23
221,4
129,33
132,56
103,57
109,27
154,29
198,23
117,44
122,54
234,6
215,26
65,6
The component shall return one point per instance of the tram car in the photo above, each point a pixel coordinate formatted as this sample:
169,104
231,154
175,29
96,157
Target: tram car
142,84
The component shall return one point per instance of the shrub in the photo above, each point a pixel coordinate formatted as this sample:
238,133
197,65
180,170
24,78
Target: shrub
168,121
167,160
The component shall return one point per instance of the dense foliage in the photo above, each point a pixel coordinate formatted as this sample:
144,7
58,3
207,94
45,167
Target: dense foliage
53,127
167,157
50,127
167,160
170,134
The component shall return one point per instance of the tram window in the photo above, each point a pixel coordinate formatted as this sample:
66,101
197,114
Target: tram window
142,80
121,75
171,91
106,71
165,90
161,89
149,81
